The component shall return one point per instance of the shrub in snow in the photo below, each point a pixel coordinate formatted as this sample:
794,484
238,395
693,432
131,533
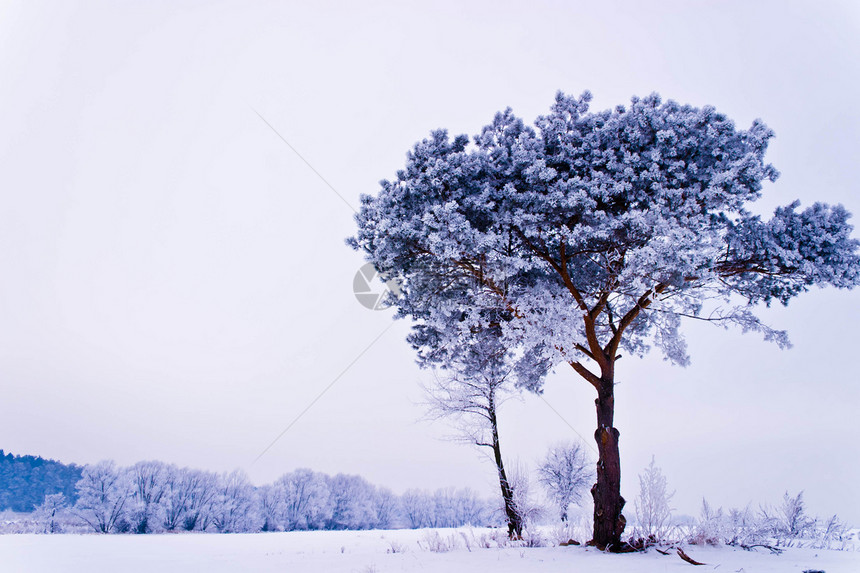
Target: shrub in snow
831,533
530,511
436,543
653,512
573,529
740,527
787,520
785,525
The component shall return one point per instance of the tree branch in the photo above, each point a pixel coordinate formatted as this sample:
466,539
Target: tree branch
644,302
590,377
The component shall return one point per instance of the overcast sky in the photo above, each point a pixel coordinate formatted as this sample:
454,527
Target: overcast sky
174,282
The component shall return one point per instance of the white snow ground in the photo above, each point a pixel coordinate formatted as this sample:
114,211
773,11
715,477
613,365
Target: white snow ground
371,552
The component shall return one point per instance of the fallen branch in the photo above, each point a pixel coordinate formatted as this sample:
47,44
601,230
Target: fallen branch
775,550
687,558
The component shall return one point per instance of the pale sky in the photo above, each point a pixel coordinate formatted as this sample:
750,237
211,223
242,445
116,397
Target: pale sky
174,282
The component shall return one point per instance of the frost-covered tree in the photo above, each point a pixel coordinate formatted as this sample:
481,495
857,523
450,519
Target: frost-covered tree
49,514
528,507
475,381
103,493
592,235
445,507
565,473
385,508
175,499
305,500
469,509
418,508
202,488
233,506
788,520
652,504
187,499
351,499
270,505
148,486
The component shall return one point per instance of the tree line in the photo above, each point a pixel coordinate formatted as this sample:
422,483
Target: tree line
157,497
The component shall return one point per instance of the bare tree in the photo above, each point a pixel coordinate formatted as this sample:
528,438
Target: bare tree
350,502
385,506
469,393
528,509
175,499
203,489
233,508
417,508
187,499
103,492
148,485
270,503
305,500
565,473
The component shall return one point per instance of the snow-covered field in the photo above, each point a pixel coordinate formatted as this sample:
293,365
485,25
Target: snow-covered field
374,551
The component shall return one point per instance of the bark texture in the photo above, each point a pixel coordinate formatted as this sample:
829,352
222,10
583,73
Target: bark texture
515,522
609,522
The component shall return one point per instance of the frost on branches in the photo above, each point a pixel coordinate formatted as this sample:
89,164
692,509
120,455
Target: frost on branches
594,234
565,473
478,369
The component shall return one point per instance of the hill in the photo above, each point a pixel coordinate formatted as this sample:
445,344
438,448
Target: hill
26,480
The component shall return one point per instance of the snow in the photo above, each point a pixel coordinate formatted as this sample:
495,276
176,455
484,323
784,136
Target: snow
371,551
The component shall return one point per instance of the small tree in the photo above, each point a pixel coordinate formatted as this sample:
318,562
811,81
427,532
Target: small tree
592,235
475,382
652,504
49,512
565,474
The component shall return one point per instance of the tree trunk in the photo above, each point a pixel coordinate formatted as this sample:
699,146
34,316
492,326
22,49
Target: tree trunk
608,521
515,522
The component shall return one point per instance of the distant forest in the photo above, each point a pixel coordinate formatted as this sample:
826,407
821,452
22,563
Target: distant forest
26,480
155,497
